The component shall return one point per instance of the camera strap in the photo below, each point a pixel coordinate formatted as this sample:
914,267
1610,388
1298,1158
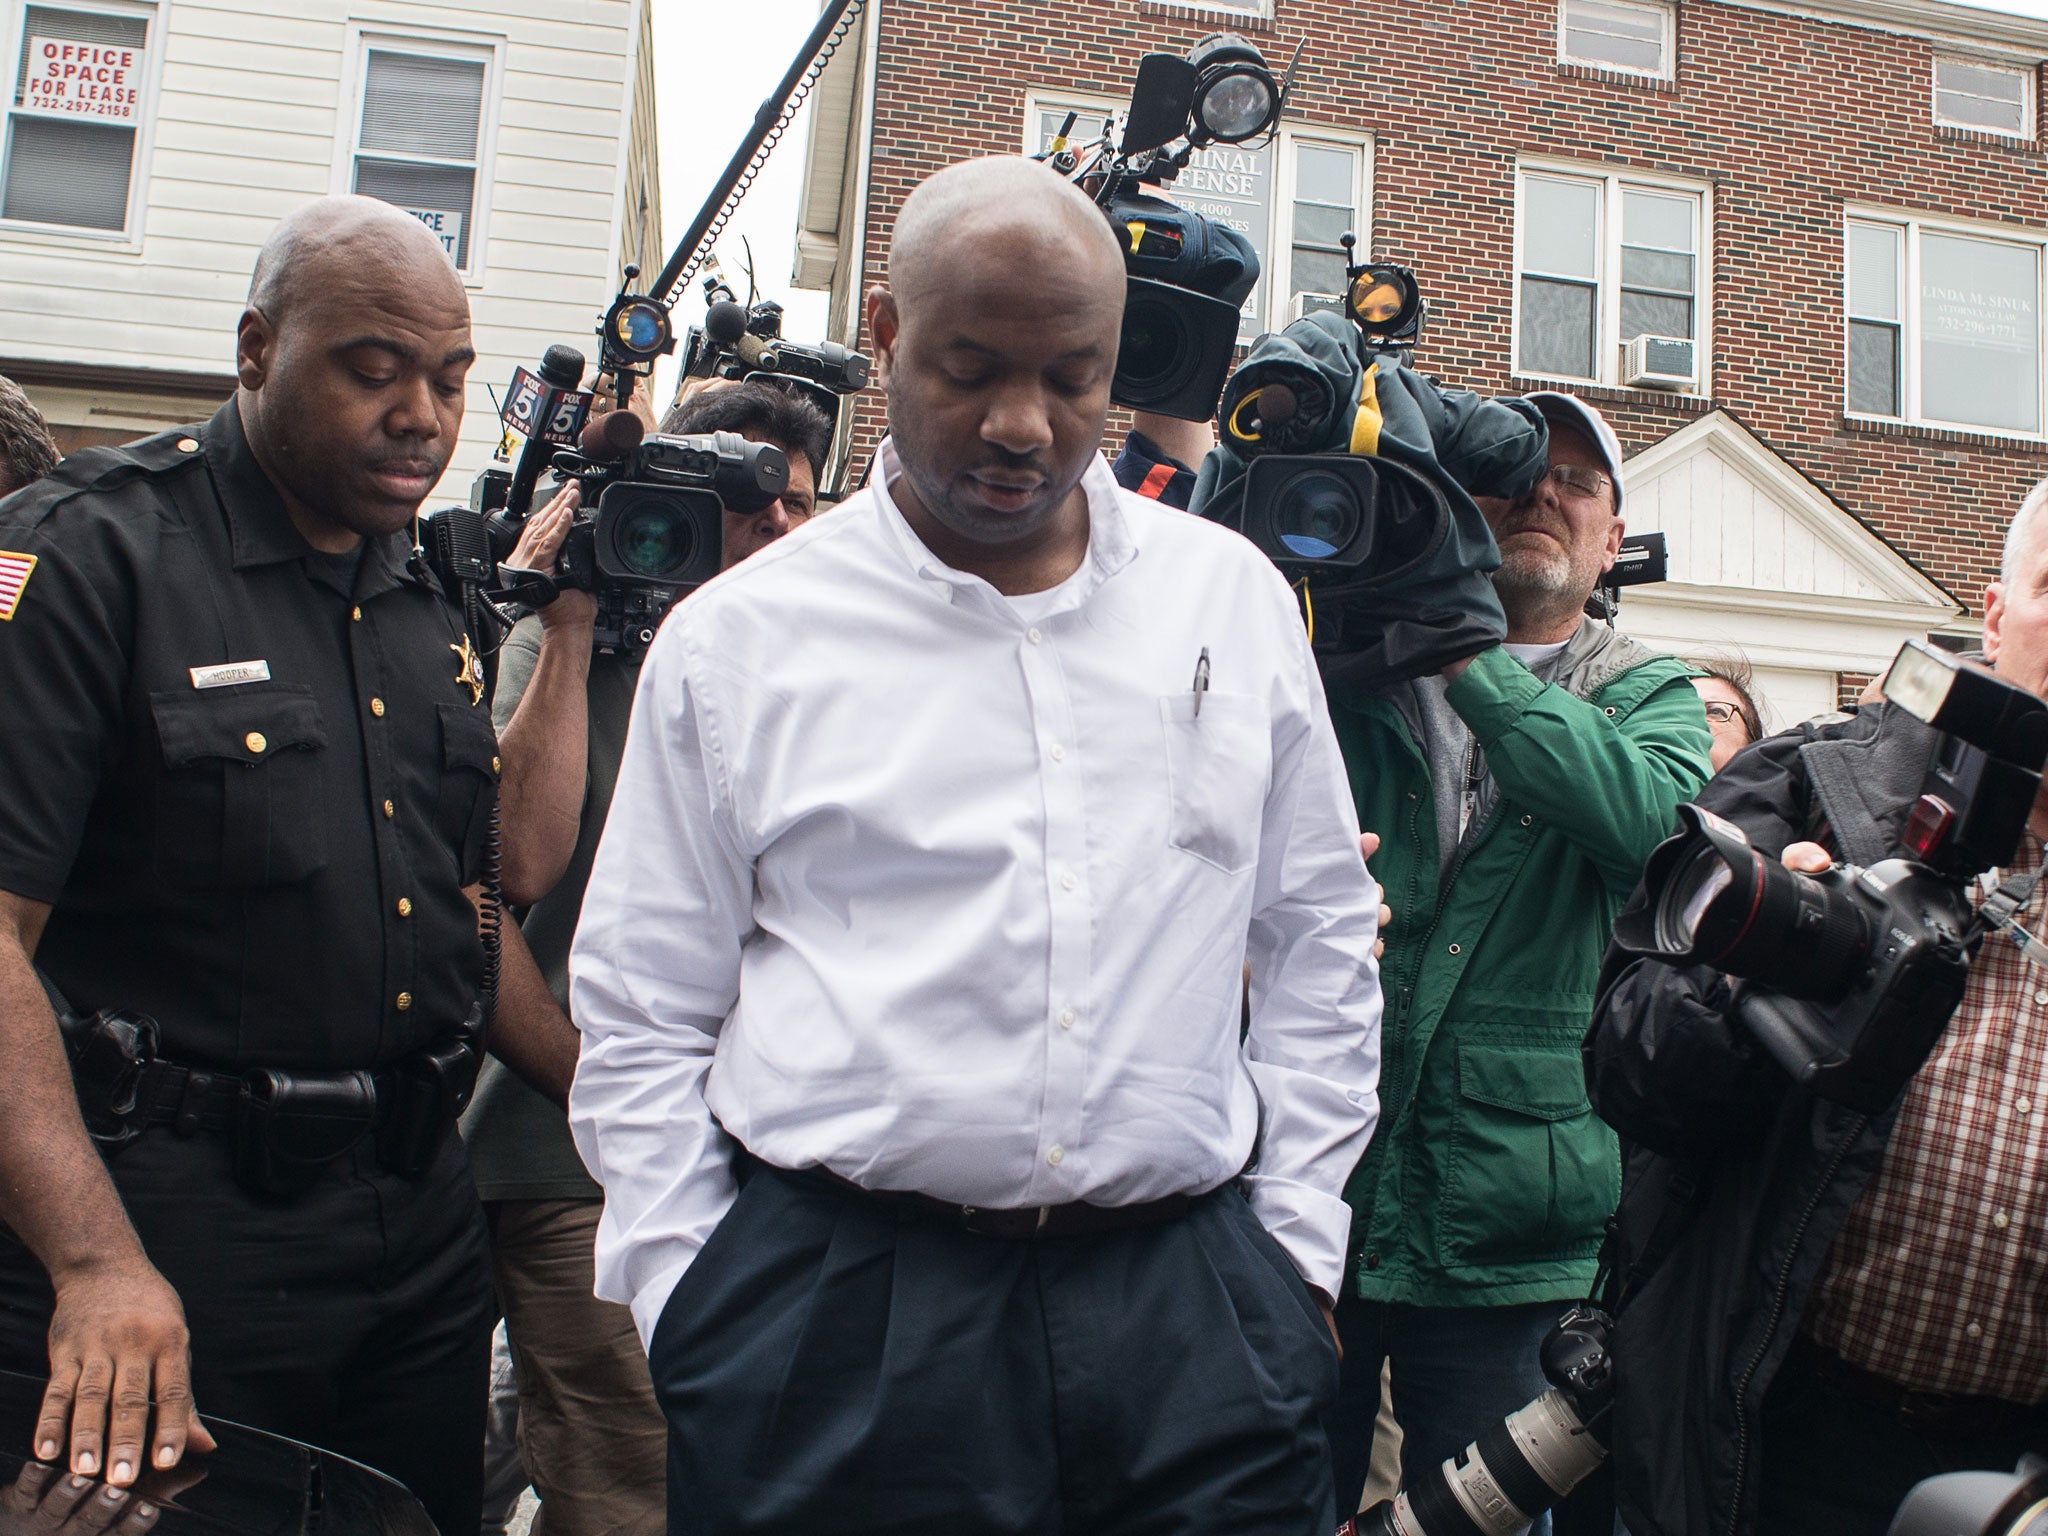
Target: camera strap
1999,913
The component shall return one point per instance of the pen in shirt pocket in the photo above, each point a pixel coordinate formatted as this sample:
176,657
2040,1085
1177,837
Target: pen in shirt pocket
1201,679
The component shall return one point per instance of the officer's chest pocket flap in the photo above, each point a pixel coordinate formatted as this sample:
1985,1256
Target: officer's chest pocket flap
1218,764
238,803
469,761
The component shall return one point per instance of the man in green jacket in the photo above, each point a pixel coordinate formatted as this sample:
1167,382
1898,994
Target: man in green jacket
1517,796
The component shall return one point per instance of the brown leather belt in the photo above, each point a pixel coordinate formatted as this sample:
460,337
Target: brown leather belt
1937,1415
1077,1219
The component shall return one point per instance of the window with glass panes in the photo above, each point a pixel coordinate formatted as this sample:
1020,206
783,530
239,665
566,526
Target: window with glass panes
1944,325
69,155
1618,34
1991,98
1325,208
1603,260
419,136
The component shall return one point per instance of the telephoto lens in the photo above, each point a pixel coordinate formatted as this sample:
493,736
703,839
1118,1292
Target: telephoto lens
1978,1503
1523,1465
1720,902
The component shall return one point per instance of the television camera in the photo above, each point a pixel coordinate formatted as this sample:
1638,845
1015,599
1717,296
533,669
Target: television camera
1187,275
745,342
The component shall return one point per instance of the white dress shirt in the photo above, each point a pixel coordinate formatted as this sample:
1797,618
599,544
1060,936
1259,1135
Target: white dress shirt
902,882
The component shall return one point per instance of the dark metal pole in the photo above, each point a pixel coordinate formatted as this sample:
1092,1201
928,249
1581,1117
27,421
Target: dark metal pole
764,124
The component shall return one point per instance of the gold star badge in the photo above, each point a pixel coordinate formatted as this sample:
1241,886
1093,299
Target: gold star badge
471,671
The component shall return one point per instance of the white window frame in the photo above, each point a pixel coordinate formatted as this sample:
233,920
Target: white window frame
129,237
1276,256
2028,78
487,48
1667,48
1913,225
1259,10
1607,344
1279,276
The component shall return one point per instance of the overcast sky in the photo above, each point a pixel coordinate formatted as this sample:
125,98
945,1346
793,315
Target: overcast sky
710,76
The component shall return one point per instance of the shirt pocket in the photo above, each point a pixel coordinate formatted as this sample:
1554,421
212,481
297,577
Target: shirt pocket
1218,764
468,790
238,795
1530,1174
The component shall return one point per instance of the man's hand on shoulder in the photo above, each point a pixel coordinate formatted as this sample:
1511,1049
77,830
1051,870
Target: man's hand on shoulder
119,1352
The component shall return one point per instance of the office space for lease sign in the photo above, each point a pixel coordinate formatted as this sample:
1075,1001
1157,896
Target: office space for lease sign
97,81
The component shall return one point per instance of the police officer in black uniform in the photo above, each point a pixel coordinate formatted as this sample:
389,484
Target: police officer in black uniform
247,778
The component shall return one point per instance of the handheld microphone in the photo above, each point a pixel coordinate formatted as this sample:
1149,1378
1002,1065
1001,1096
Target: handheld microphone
611,436
561,372
726,323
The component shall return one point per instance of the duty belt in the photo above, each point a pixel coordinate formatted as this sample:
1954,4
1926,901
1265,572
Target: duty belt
287,1126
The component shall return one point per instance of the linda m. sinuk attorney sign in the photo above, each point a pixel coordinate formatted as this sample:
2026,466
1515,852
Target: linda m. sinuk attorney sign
98,81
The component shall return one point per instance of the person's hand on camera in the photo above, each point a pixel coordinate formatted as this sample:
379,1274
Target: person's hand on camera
1368,845
118,1345
1806,858
540,547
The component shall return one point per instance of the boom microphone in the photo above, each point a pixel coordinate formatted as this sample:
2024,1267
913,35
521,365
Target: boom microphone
561,371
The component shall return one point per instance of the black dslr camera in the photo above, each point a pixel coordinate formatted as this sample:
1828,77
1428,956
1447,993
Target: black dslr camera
1849,977
1188,276
745,342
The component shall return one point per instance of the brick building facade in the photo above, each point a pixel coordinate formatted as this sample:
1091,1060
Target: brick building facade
1785,189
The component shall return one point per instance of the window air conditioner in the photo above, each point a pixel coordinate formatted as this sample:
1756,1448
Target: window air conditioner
1659,362
1312,303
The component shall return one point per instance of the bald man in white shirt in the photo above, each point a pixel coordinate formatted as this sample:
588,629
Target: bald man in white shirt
943,1189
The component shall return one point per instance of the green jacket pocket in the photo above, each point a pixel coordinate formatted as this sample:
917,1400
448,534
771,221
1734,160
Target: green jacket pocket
1529,1173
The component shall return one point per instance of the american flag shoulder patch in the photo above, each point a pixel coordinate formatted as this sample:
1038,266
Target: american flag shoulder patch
15,570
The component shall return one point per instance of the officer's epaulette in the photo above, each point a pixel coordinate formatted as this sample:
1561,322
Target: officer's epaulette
102,469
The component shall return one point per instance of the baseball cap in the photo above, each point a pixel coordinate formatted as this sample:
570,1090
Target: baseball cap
1574,412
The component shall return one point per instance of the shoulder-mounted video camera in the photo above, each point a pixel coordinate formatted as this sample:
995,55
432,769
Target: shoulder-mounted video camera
1188,275
651,521
1847,978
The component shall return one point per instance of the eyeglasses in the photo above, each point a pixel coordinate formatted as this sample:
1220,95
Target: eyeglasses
1720,711
1583,482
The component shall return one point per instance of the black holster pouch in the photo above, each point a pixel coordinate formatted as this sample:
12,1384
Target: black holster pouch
424,1094
109,1051
289,1126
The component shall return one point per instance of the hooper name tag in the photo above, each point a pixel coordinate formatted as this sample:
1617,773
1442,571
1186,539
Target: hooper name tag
229,673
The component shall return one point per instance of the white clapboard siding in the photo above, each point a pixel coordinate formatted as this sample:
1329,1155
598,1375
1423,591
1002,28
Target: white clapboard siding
1763,562
252,115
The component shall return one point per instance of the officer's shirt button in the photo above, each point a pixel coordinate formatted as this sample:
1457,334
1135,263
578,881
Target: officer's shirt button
494,765
377,708
356,614
404,1001
188,445
255,741
405,906
390,810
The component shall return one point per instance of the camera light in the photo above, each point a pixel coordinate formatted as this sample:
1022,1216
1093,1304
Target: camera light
1384,300
641,328
1236,97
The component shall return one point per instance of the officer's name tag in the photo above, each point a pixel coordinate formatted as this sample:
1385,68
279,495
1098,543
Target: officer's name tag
228,673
